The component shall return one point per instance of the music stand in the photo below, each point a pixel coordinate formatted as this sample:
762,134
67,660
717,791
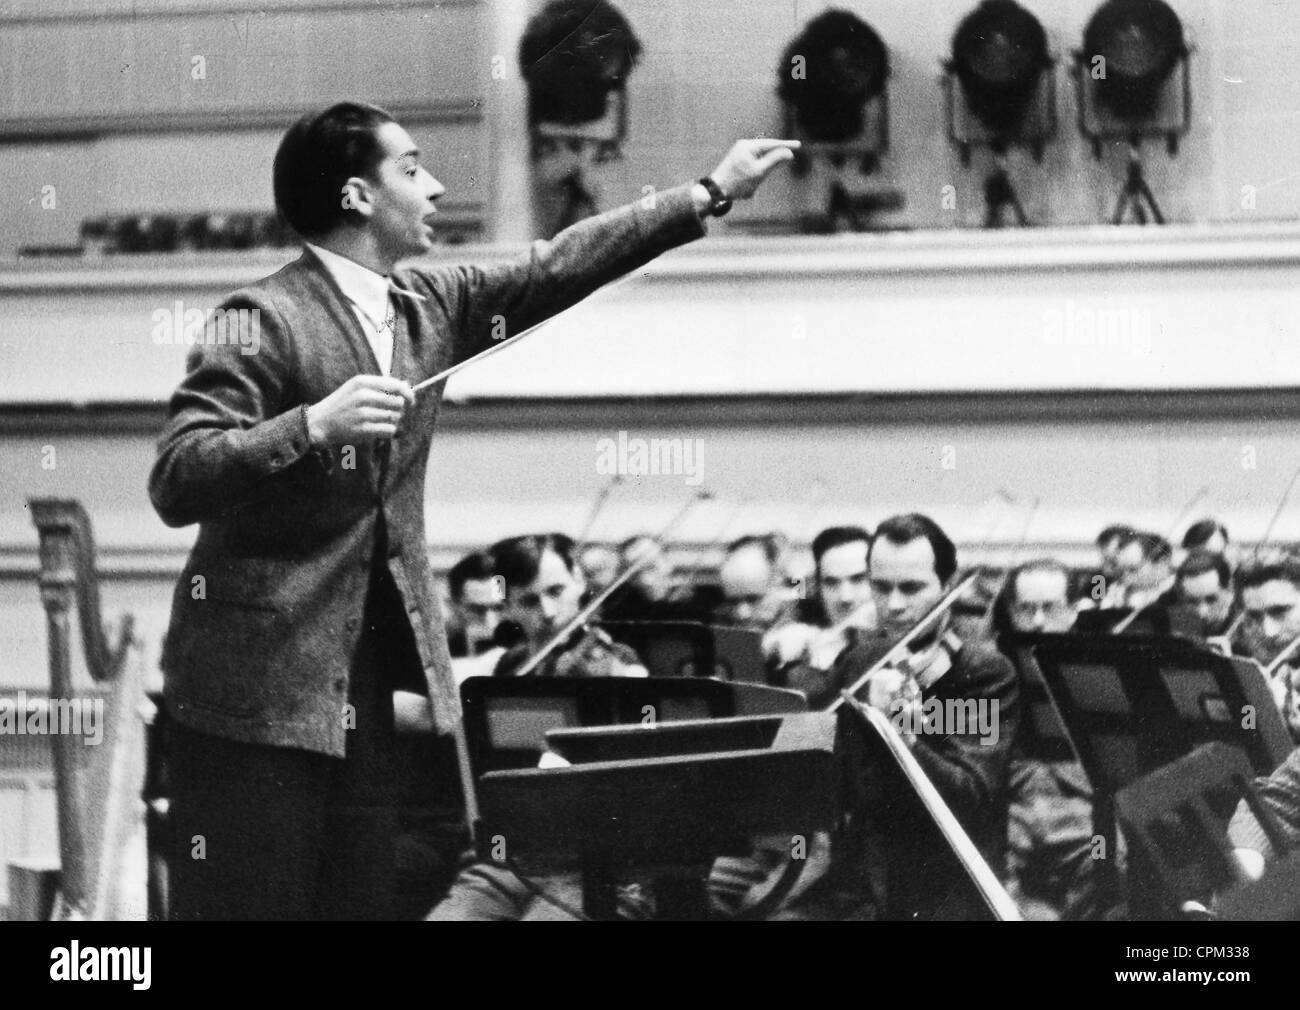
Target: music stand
692,649
1131,705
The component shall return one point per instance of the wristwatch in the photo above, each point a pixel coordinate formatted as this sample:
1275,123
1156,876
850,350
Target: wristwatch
721,202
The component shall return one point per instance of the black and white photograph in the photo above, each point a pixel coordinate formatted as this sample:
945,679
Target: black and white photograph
650,460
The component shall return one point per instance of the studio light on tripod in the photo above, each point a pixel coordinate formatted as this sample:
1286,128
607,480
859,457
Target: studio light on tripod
1134,83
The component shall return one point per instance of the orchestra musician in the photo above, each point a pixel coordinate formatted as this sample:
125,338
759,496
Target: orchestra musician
876,871
1143,571
804,653
476,601
1050,869
1203,583
1270,601
651,594
308,598
544,589
756,590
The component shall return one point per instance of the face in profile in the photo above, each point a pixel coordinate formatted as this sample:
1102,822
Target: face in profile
904,584
402,196
548,603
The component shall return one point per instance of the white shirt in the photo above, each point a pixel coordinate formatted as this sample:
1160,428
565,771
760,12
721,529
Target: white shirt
367,294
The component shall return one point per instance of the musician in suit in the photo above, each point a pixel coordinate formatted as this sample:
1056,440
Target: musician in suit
1051,872
308,597
1270,601
878,869
476,600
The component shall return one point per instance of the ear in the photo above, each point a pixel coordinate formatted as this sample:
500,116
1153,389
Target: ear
356,195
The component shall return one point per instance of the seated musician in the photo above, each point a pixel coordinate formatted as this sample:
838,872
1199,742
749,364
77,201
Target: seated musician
1270,600
1093,585
756,592
543,587
476,602
1203,583
599,565
1210,535
651,594
804,653
877,869
1144,571
543,593
1050,869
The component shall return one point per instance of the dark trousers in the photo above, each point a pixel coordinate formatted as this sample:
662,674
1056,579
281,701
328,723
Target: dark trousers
264,832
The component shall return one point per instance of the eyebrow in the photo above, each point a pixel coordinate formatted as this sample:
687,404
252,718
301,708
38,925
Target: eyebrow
413,153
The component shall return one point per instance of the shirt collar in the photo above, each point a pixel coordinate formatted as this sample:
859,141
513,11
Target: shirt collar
360,285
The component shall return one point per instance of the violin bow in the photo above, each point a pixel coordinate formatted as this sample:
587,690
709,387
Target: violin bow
913,633
986,623
597,507
584,615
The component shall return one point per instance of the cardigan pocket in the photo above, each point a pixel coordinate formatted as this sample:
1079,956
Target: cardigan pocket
225,653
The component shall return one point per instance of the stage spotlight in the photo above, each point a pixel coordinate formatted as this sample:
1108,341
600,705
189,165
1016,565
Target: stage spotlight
833,83
576,56
1000,93
829,76
1134,46
1134,83
999,55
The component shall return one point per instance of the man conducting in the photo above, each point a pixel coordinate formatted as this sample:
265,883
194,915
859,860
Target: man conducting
308,598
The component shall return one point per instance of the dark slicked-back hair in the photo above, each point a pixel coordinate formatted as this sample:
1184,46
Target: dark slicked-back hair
837,536
519,559
1116,531
1202,532
900,530
318,154
473,567
1199,562
1259,575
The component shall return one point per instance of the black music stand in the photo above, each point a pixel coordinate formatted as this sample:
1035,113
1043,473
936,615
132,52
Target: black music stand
692,649
673,796
1132,705
1176,823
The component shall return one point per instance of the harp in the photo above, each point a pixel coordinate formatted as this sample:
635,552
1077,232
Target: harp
97,788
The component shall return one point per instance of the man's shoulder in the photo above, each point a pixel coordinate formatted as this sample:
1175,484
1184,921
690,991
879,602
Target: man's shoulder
291,284
981,661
